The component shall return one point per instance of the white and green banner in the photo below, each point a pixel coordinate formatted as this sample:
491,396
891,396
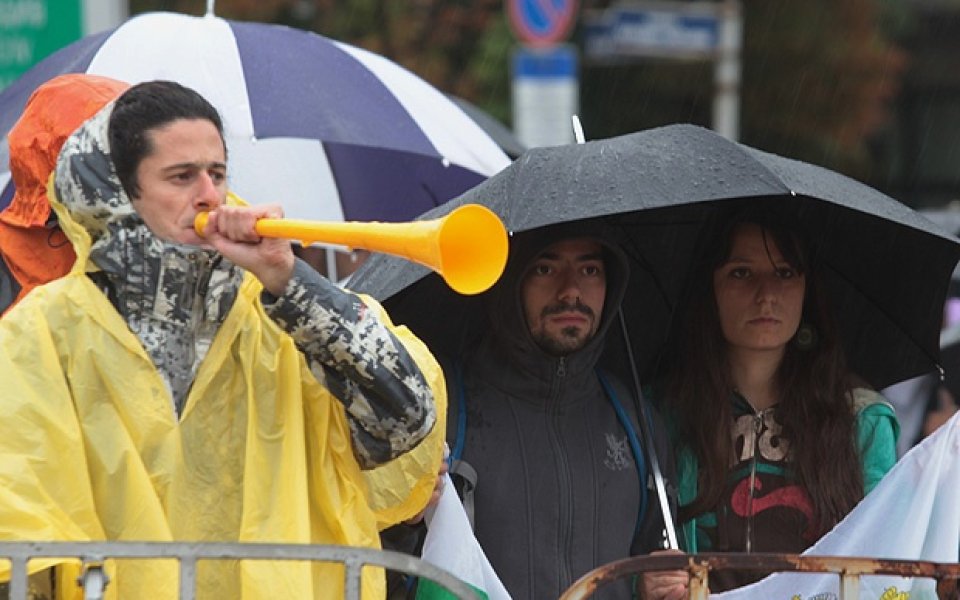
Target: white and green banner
913,514
451,545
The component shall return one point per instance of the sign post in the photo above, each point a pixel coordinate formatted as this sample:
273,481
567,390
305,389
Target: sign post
726,72
676,30
545,95
545,71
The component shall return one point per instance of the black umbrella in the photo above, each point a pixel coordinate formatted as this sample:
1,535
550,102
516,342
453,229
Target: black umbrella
887,266
949,219
950,359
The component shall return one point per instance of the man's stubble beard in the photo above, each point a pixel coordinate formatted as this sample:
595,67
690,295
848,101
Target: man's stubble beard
567,342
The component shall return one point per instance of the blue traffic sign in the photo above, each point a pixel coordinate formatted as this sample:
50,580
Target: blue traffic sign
542,22
559,62
672,29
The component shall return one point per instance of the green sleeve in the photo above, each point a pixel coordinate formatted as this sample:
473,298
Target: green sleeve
686,493
877,433
686,466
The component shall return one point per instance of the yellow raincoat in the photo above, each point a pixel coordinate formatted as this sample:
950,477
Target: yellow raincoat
90,448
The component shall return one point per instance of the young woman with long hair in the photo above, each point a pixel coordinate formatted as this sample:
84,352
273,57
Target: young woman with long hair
776,439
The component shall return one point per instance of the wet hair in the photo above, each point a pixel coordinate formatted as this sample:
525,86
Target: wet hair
142,108
815,404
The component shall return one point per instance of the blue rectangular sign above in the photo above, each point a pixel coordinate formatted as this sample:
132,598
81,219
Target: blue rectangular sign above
560,61
675,30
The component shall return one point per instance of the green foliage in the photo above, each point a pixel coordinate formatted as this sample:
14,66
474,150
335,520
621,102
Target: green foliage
818,76
489,84
459,46
830,86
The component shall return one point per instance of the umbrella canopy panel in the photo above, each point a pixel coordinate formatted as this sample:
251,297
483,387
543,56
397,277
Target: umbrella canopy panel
330,131
500,133
886,266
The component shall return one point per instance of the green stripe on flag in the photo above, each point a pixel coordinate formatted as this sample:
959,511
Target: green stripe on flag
431,590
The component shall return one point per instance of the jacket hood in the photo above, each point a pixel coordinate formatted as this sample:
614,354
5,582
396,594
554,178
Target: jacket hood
505,306
54,111
94,210
173,296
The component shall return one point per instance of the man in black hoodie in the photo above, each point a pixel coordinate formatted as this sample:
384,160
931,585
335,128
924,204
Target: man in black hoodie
547,444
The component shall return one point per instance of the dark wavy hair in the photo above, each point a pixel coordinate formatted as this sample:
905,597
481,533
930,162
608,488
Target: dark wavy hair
815,404
146,106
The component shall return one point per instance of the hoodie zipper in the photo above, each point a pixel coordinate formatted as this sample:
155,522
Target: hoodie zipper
757,429
565,530
205,267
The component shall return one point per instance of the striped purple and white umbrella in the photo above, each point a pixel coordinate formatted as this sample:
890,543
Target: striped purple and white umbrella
330,131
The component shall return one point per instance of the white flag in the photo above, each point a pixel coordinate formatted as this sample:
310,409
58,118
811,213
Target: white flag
912,514
451,545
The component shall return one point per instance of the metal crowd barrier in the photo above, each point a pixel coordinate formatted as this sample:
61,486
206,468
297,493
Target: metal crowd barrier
947,575
93,555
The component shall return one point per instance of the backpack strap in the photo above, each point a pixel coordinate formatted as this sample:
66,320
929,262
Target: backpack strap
864,397
468,474
461,416
457,466
635,447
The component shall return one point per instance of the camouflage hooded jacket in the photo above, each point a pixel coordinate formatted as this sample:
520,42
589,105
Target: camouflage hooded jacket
175,297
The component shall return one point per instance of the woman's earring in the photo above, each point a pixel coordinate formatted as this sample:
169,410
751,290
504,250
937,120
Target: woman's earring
806,337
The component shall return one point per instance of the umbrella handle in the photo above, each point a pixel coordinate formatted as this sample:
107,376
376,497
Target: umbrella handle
658,482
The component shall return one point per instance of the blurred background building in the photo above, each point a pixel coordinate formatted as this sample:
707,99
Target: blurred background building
870,88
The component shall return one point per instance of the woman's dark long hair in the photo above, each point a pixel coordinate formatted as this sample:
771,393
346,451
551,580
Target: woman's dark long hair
815,404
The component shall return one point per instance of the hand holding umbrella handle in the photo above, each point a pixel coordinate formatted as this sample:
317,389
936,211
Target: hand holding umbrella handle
467,247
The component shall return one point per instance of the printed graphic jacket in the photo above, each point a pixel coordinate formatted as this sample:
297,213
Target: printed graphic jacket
777,517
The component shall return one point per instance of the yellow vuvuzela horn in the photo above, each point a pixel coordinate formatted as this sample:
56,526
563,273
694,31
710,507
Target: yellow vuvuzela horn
467,247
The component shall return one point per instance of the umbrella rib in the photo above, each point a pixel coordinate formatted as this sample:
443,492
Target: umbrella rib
886,314
634,252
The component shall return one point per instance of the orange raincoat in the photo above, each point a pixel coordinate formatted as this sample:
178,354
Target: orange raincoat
33,251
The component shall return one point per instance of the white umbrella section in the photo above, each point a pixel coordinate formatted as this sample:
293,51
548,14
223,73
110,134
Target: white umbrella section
330,131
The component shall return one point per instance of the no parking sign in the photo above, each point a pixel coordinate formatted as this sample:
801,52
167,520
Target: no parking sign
545,86
542,23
